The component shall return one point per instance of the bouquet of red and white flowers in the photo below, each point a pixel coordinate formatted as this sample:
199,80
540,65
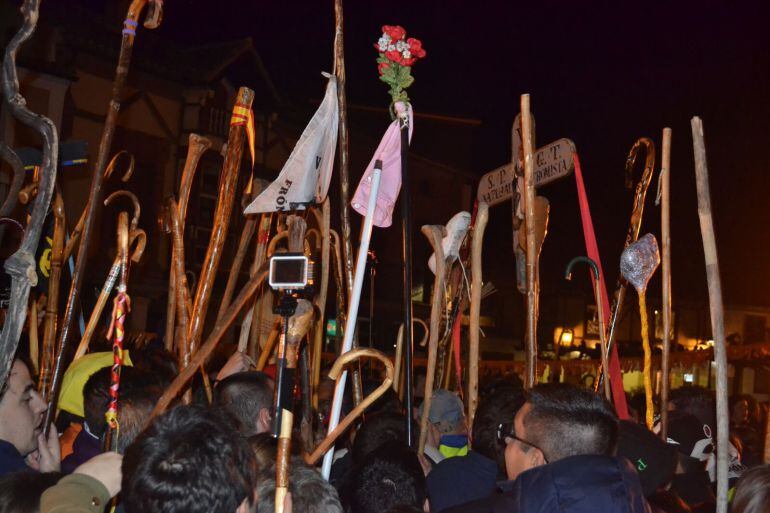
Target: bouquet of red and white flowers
397,56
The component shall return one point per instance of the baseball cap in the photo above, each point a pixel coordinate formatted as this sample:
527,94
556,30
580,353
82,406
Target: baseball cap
445,406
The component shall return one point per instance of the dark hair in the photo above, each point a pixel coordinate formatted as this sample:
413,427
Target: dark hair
376,430
243,395
310,492
135,403
265,448
497,408
188,460
391,476
134,390
697,401
22,360
20,491
565,420
96,397
753,491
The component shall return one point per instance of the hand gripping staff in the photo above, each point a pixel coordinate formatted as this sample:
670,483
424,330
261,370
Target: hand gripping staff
21,265
599,311
633,228
153,19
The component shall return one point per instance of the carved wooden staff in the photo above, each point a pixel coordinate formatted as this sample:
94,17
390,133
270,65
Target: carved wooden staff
52,302
398,357
254,327
152,21
21,265
474,355
17,180
323,219
665,232
334,373
529,219
34,342
434,233
196,147
716,308
637,265
633,228
226,197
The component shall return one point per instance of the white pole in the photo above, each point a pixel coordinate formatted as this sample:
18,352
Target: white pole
350,323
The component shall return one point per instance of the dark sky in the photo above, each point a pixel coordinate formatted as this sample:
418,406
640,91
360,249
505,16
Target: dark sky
600,73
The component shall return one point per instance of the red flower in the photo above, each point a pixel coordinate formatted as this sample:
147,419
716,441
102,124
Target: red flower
408,62
394,55
415,47
382,67
395,32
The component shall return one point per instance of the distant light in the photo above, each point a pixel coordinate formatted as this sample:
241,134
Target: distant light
566,338
689,378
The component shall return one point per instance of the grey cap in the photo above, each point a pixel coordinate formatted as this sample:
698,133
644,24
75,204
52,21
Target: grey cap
445,406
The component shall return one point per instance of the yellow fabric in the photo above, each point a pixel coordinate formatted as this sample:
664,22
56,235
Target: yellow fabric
71,397
451,452
650,414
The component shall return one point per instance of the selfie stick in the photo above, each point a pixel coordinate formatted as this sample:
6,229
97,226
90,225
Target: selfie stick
350,323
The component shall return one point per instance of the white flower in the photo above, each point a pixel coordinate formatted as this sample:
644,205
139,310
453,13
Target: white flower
401,46
406,54
391,48
383,42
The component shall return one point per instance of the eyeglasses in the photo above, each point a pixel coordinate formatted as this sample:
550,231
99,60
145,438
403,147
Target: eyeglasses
507,430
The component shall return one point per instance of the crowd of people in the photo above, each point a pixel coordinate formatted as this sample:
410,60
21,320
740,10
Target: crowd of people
553,448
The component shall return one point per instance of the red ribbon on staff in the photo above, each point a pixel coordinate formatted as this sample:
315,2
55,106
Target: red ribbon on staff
592,248
119,312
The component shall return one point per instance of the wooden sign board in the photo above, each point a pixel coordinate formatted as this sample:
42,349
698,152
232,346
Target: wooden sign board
552,162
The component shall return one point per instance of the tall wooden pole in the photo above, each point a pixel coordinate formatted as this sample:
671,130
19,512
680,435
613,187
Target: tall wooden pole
344,154
480,225
406,244
529,219
665,215
716,308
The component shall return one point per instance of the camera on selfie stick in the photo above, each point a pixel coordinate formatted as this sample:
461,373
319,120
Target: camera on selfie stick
290,274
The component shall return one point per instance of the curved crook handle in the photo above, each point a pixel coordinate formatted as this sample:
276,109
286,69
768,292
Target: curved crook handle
649,161
425,334
114,162
137,238
583,260
154,14
123,239
130,195
334,373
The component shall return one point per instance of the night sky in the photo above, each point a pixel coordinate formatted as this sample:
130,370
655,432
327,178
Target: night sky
600,73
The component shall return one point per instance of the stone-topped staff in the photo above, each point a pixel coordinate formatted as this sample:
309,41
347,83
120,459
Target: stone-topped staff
21,265
152,21
638,263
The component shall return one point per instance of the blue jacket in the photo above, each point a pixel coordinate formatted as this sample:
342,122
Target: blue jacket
459,480
578,484
11,460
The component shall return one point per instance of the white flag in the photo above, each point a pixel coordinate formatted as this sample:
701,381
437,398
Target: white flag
306,175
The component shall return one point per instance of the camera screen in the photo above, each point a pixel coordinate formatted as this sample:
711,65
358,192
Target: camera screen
288,271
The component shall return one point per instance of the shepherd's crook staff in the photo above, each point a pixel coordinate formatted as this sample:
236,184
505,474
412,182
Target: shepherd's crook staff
665,233
482,218
124,60
715,305
21,265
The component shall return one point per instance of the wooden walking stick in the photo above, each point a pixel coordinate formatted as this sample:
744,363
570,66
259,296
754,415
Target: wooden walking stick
474,355
196,147
434,234
34,342
221,327
130,24
599,312
344,167
21,265
344,424
633,228
398,357
665,232
637,265
52,302
716,308
226,197
323,220
255,327
529,218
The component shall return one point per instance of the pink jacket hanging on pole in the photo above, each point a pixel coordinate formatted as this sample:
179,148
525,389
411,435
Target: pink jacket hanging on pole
389,152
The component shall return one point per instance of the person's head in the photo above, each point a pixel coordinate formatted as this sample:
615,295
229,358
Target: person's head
376,430
739,410
265,447
495,409
391,476
20,491
753,492
96,398
247,397
310,492
189,460
21,409
558,421
695,400
134,407
446,416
